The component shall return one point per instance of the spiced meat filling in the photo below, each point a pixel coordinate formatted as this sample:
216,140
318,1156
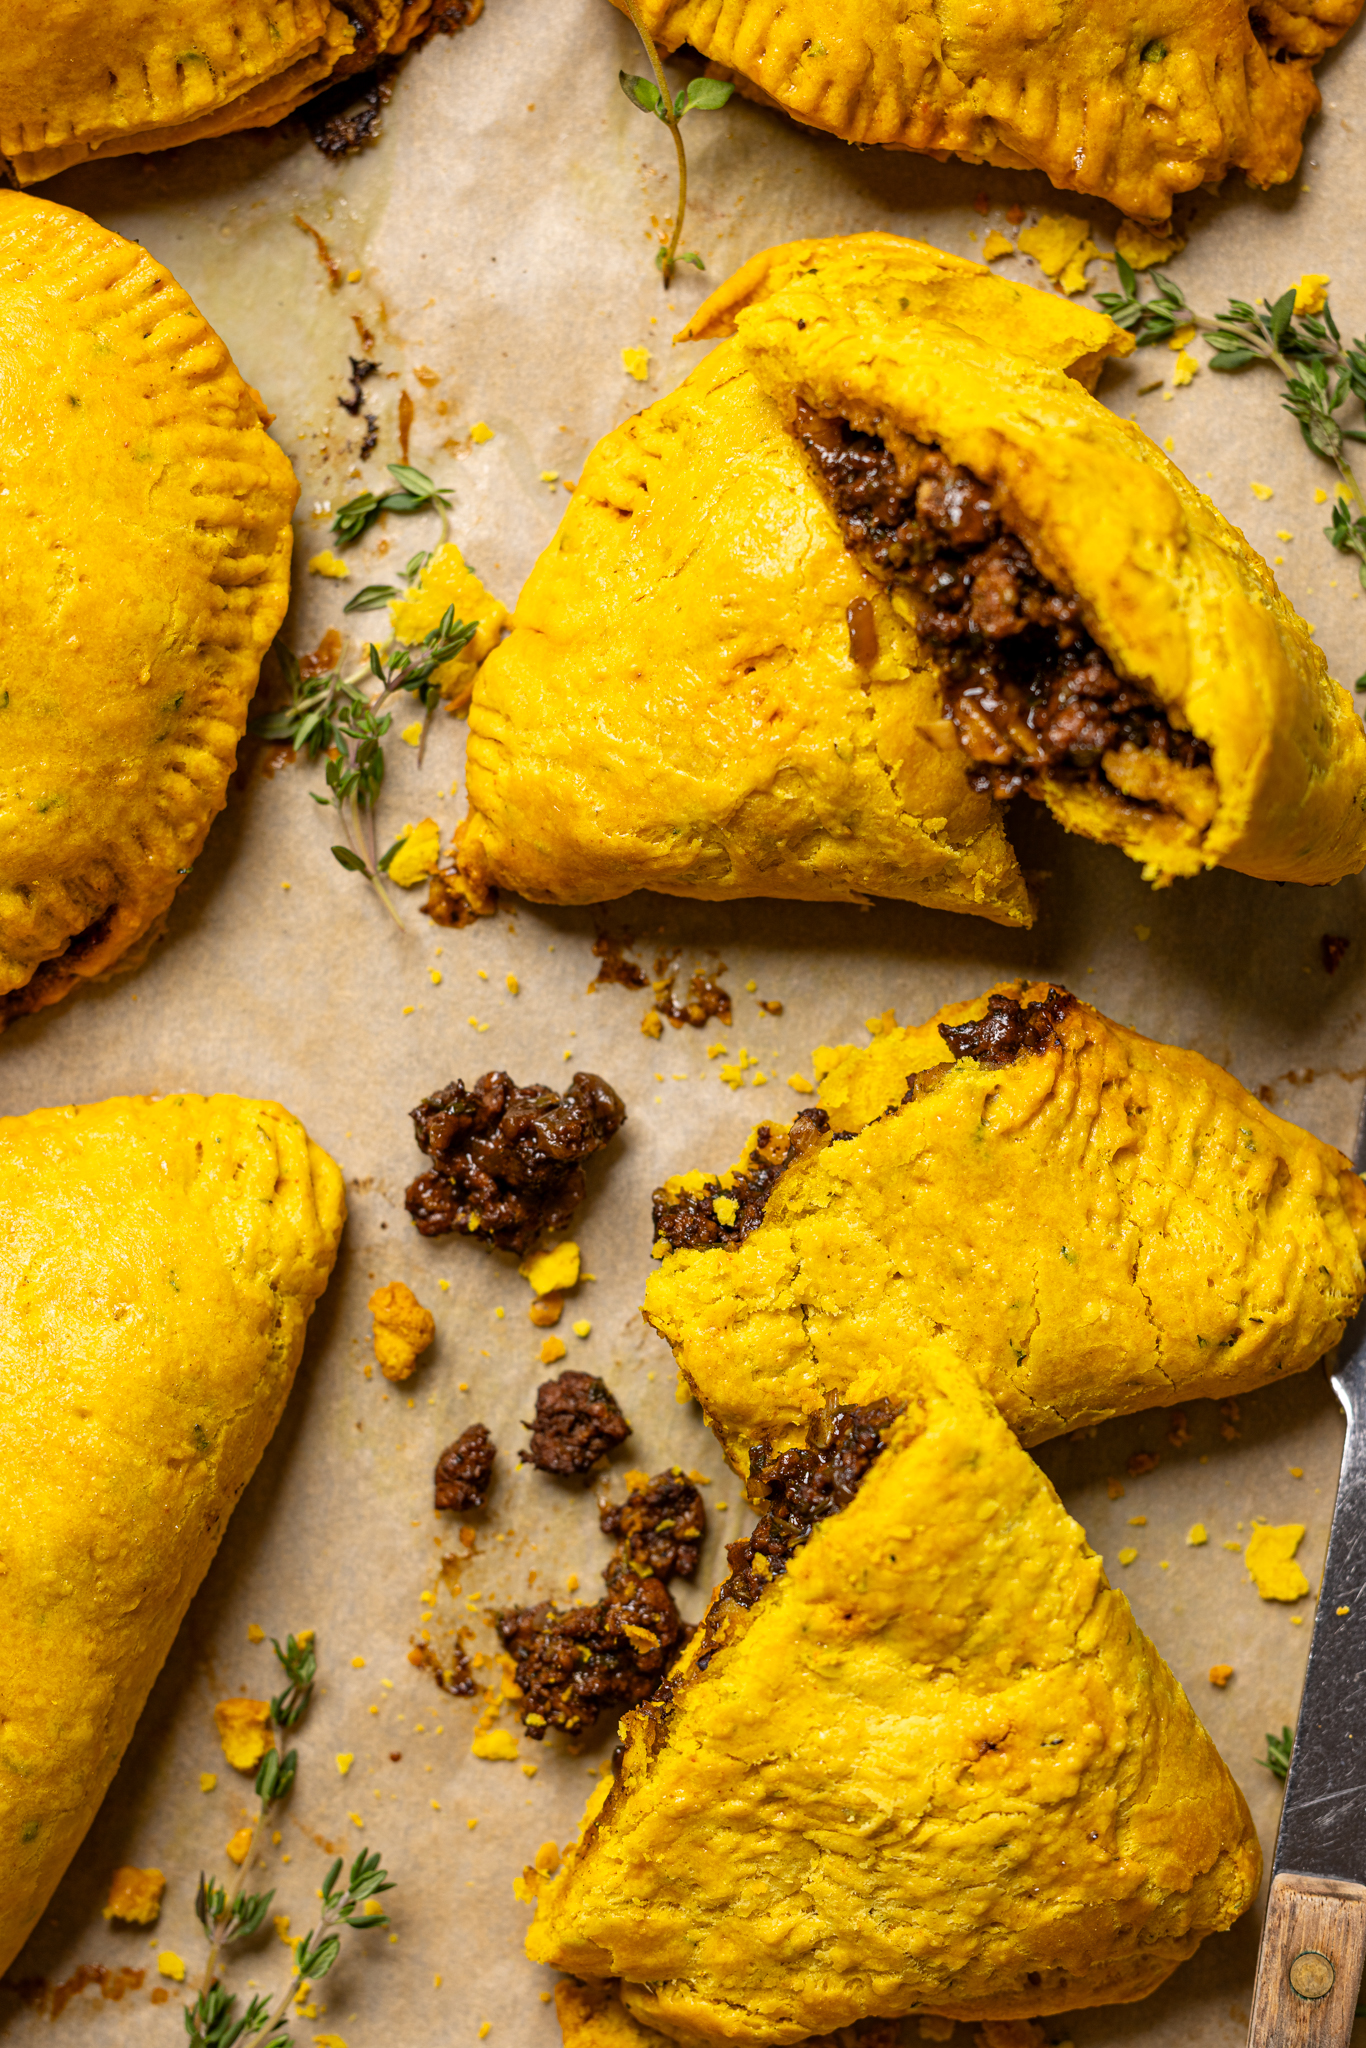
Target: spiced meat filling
801,1488
693,1219
574,1663
1030,693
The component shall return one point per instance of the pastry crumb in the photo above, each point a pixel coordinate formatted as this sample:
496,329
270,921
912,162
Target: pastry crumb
1220,1674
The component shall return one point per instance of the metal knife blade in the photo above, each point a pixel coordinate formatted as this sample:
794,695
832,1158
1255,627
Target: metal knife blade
1323,1820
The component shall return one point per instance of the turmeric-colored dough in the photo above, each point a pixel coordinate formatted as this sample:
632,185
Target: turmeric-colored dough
1131,104
937,1768
680,671
145,529
1101,1226
728,700
100,78
158,1262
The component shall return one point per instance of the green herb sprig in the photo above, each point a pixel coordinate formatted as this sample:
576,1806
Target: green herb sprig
1321,373
334,716
212,2019
652,96
415,493
1278,1752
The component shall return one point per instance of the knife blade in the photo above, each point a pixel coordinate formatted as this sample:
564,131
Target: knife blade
1314,1936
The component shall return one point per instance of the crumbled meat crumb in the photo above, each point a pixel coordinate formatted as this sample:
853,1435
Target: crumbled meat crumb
705,999
615,968
661,1526
1333,948
801,1488
1010,1029
349,113
453,1677
465,1469
1028,689
507,1160
577,1422
688,1221
578,1662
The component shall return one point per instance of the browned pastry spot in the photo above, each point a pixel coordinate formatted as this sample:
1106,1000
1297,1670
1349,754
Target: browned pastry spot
1028,690
507,1161
577,1422
465,1469
688,1221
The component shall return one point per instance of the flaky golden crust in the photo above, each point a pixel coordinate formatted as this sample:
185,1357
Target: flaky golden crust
1175,596
1103,1226
158,1263
678,706
98,78
1132,105
146,535
937,1768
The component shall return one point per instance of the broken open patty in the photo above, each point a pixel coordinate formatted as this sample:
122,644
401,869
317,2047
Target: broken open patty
507,1162
1030,693
726,1211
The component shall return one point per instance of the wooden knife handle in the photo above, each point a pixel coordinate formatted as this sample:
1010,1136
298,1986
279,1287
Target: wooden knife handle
1309,1965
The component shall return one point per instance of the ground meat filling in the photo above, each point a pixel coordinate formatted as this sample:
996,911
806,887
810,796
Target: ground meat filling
689,1220
465,1469
801,1489
1028,690
1011,1030
577,1422
507,1161
578,1662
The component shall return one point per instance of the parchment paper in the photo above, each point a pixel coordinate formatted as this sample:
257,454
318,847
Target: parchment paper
502,229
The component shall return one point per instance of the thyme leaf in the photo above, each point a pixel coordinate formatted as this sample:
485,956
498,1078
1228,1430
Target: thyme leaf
652,96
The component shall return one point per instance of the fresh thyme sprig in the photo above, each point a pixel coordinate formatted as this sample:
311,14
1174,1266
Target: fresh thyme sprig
333,715
1321,373
652,96
415,493
212,2020
1278,1750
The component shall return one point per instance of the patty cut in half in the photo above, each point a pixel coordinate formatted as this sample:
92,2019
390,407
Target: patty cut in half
919,1758
879,563
1097,1223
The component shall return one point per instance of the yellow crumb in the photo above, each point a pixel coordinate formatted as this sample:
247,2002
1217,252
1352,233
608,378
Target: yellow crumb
553,1271
652,1025
1230,1545
1342,1610
1197,1533
134,1895
1270,1557
529,1770
582,1328
1185,367
479,432
345,1759
407,1009
244,1730
1311,292
1181,339
552,1349
403,1329
1320,496
328,564
550,476
411,735
513,985
636,363
1127,1555
255,1632
799,1084
355,1820
483,2030
1141,248
997,244
1220,1674
1062,248
207,1780
435,976
760,1078
1297,1471
495,1745
239,1848
1263,491
725,1209
1138,1521
169,1964
1169,444
419,850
